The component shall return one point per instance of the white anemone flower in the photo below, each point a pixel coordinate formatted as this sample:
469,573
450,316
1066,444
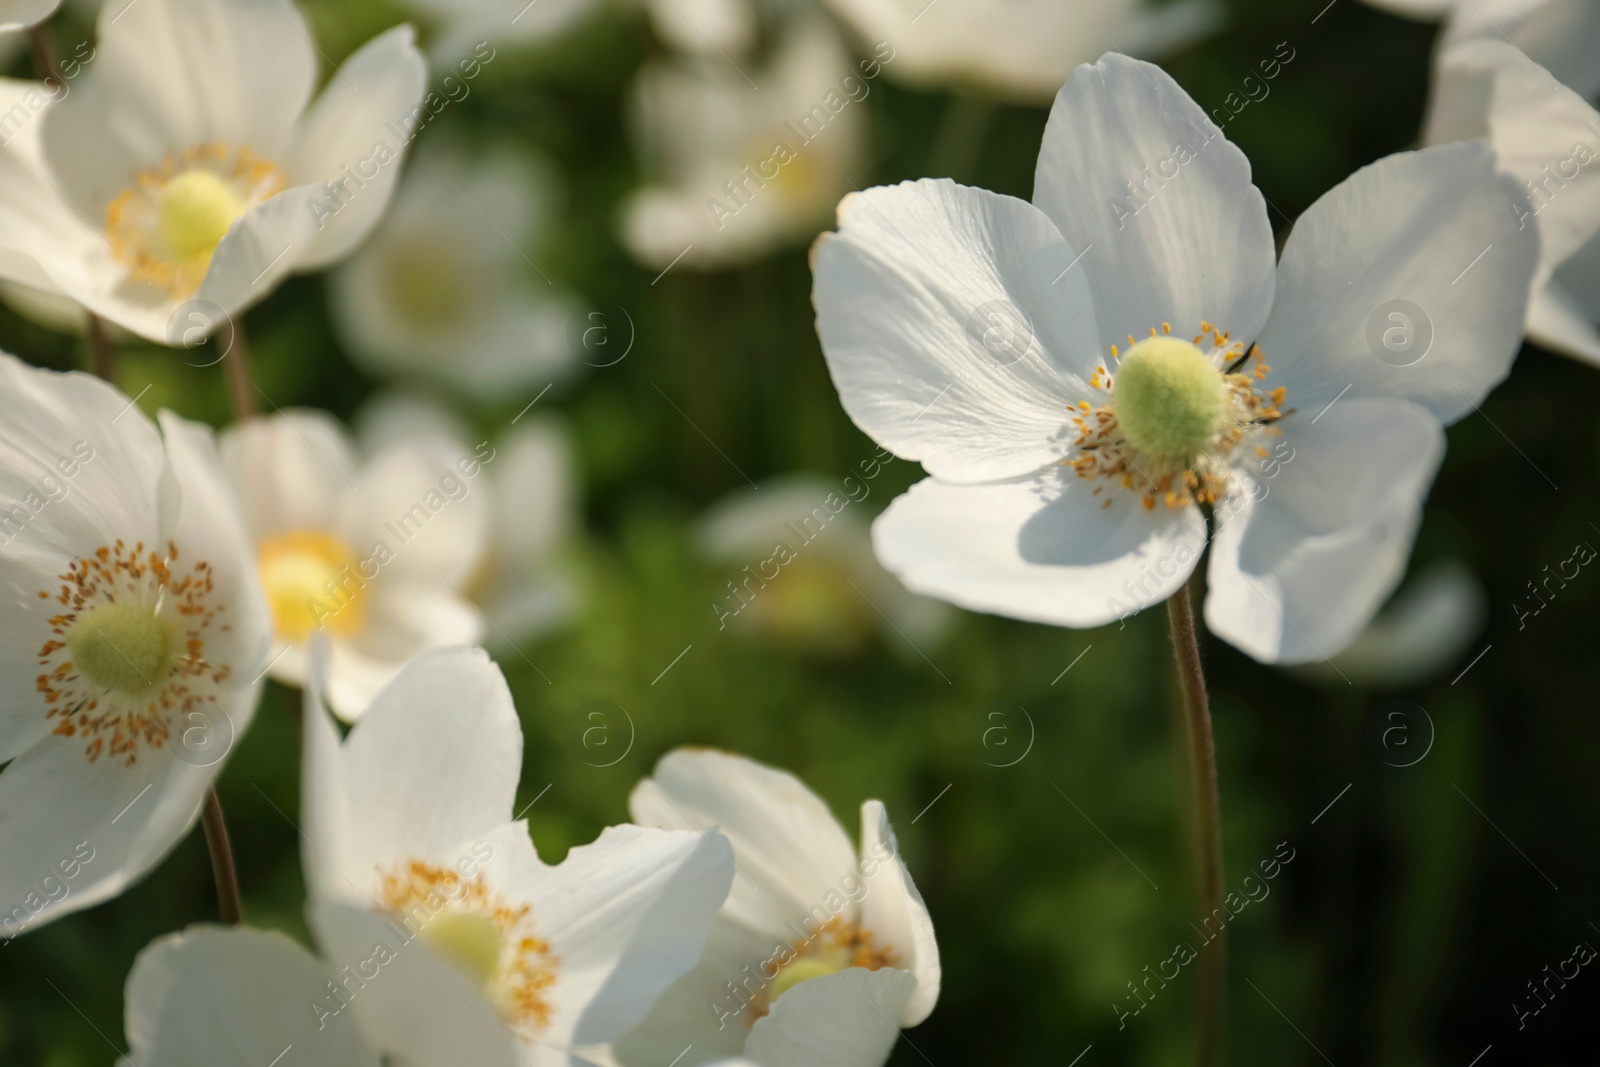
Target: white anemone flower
1081,374
520,584
373,553
211,995
135,637
20,14
802,572
187,165
444,290
822,952
1530,89
739,171
1019,49
410,838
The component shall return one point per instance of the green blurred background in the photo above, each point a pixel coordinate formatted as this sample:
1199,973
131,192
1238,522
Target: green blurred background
1406,924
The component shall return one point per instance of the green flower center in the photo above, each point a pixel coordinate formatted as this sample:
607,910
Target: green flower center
803,970
1170,399
120,647
469,941
194,213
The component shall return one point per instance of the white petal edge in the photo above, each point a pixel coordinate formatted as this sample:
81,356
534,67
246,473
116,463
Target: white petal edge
1041,549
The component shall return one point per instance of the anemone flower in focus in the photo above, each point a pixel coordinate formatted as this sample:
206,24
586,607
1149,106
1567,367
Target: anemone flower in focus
373,553
1084,375
821,954
209,996
475,950
189,164
135,638
444,291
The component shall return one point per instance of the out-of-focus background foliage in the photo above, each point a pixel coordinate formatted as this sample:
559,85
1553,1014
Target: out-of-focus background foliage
1407,923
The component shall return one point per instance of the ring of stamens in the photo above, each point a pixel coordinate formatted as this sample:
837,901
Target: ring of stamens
487,938
1103,452
167,224
126,651
835,946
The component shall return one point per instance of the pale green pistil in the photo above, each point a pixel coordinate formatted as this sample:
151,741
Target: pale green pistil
1170,399
195,211
120,647
471,942
803,970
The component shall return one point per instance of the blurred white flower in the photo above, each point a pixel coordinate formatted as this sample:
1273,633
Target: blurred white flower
1037,359
445,290
373,553
135,636
821,954
803,573
460,26
1528,81
186,165
740,171
1420,634
519,583
409,836
209,996
20,14
709,28
1019,49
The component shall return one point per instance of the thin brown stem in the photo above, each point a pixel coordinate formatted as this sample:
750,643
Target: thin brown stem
1207,821
236,364
43,51
102,353
217,843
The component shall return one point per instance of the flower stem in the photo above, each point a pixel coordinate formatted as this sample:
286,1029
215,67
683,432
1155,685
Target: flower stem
43,52
102,354
221,859
1208,821
236,364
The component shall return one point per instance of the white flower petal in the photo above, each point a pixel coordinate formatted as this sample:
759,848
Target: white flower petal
79,468
56,805
1042,549
953,327
789,850
20,14
1427,627
259,250
627,916
175,74
1558,320
412,497
367,104
1199,249
208,525
1417,249
1298,572
413,1005
434,762
843,1020
290,469
209,996
700,1013
893,910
